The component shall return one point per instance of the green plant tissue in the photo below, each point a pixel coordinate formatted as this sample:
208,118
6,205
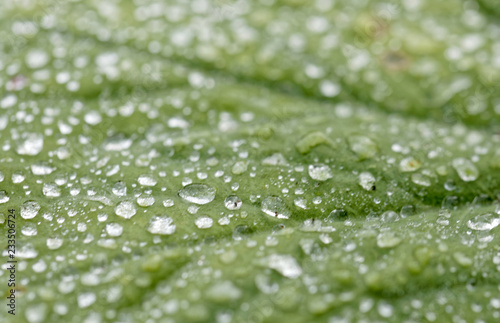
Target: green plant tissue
249,161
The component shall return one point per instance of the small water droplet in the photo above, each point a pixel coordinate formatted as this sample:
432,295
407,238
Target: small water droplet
233,202
163,225
286,265
409,164
387,240
364,147
204,222
275,207
465,169
114,229
125,209
29,209
367,181
32,145
320,172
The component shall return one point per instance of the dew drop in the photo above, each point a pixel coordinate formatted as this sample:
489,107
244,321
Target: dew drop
198,193
163,225
409,164
364,147
484,222
233,202
32,145
125,209
275,207
204,222
114,229
367,181
320,172
421,179
286,265
29,209
146,180
388,240
3,197
54,243
465,169
119,189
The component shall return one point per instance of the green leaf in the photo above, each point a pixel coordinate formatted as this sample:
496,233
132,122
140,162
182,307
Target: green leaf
250,161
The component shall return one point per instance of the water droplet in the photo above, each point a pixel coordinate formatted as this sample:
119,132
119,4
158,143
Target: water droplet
367,181
114,229
421,179
223,292
161,225
125,209
54,243
484,222
387,240
465,169
51,190
3,197
409,164
407,210
239,167
204,222
300,202
337,215
32,145
241,231
286,265
146,180
168,203
276,159
86,299
320,172
36,313
275,207
29,209
233,202
120,189
29,229
117,143
364,147
41,168
389,216
145,201
198,193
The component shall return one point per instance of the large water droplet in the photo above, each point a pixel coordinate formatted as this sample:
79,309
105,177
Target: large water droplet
484,222
29,209
320,172
465,169
125,209
161,225
198,193
275,207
